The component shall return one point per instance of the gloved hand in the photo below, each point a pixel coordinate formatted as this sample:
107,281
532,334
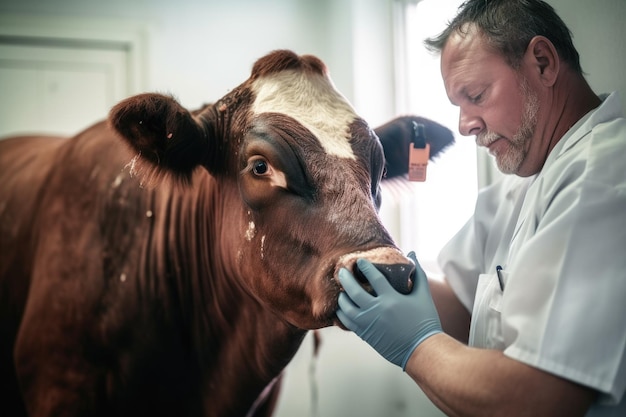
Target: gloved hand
394,324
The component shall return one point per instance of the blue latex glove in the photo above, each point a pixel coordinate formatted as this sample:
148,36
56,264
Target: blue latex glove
394,324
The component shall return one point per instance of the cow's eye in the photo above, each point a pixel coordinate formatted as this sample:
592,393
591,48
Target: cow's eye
260,167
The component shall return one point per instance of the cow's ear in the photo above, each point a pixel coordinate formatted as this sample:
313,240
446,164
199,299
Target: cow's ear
397,135
163,133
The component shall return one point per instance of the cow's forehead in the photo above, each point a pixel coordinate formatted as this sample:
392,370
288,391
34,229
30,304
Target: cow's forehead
312,100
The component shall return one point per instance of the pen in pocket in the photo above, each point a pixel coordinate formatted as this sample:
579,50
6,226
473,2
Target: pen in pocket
499,274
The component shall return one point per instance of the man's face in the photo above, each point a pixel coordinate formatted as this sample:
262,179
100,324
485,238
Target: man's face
496,103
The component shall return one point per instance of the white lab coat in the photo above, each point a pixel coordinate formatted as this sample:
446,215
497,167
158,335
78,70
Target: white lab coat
560,238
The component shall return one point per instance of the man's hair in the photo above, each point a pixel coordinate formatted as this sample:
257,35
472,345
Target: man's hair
508,26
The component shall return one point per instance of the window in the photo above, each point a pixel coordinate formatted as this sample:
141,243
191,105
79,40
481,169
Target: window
423,216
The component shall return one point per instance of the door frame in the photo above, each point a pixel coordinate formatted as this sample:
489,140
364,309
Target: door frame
91,33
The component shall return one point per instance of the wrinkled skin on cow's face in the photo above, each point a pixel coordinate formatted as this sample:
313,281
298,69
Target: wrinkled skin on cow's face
179,275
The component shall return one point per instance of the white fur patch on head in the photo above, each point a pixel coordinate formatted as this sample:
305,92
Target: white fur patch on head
312,100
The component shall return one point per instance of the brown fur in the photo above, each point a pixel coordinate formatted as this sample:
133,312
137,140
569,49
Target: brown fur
119,299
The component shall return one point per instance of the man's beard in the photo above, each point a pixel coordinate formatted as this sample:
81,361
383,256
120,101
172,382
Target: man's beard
510,160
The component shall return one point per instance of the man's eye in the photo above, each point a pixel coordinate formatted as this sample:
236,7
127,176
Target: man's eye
477,98
260,167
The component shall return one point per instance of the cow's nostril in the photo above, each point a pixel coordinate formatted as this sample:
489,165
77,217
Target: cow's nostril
400,276
360,277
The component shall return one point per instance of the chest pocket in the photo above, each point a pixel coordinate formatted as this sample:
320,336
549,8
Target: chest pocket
486,326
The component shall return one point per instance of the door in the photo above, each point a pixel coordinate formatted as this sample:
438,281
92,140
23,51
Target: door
59,86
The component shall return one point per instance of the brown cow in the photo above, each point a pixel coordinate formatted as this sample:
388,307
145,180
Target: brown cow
187,292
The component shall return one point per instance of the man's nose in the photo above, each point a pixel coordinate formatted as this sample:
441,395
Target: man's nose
470,123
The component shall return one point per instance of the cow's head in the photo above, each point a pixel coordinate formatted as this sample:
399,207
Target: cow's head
308,170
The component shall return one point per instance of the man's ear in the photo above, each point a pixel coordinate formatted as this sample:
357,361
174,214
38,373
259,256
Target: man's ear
542,56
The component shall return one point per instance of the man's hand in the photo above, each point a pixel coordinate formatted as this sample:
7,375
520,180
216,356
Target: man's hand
392,323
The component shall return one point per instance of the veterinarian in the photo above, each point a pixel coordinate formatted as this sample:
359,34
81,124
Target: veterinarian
531,317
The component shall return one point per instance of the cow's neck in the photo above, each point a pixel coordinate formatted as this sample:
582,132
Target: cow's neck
194,253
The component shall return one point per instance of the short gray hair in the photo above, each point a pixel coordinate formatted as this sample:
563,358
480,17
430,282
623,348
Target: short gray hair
509,25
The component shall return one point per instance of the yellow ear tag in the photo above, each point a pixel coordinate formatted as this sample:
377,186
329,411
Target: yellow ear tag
418,162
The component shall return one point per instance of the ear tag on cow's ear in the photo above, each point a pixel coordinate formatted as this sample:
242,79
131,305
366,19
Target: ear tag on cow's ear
419,153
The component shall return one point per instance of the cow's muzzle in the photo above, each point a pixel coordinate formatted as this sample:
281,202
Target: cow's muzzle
397,269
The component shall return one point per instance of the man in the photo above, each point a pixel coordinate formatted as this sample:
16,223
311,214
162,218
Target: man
541,266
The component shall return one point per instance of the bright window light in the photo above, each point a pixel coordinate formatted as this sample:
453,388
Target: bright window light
423,216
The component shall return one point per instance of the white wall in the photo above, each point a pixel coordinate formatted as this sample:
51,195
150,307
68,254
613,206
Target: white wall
198,50
599,34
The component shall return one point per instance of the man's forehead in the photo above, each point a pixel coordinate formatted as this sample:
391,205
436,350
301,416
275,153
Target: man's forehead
464,41
312,100
466,51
